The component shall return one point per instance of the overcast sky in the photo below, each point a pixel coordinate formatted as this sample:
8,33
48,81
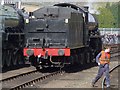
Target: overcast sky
71,0
65,0
89,3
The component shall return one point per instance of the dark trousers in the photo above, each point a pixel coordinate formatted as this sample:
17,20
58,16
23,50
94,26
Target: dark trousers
103,69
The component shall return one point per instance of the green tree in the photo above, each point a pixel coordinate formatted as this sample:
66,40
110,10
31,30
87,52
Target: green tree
119,14
107,5
105,18
114,9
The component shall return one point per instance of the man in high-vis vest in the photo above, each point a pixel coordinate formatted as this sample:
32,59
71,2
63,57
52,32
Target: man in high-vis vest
103,60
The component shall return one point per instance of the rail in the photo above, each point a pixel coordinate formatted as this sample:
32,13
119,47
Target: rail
103,81
18,76
35,76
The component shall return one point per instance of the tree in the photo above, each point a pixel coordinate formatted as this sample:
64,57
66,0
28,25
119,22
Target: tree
105,18
115,11
119,14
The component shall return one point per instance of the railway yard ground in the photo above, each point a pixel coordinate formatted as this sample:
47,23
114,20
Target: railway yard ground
79,79
54,46
7,74
76,78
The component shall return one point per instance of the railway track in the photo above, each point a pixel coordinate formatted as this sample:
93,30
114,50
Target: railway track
115,52
26,79
30,78
78,77
32,82
112,70
18,76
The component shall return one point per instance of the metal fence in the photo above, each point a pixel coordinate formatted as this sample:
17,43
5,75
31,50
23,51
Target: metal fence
9,1
110,35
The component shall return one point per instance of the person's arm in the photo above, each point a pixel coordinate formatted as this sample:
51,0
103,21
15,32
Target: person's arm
97,58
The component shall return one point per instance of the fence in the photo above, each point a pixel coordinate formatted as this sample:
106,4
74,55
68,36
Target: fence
110,35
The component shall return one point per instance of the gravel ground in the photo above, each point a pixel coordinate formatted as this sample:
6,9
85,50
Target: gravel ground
16,72
76,79
79,79
114,81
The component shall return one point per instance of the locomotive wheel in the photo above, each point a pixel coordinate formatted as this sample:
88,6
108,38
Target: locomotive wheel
88,57
79,59
22,58
39,67
14,59
71,60
3,59
92,57
76,59
8,58
82,58
19,57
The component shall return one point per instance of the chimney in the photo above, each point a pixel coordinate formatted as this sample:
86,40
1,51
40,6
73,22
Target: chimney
18,4
86,13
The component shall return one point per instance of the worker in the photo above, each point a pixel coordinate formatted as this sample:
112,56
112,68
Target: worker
103,60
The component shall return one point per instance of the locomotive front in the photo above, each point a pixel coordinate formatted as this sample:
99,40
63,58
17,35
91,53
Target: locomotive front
52,33
10,18
12,37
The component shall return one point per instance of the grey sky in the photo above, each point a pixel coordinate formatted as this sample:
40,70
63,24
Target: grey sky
70,0
89,3
66,0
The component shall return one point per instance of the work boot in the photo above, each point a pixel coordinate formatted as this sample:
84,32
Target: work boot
93,84
105,84
108,87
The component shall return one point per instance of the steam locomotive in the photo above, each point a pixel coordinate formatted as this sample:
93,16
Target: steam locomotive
61,34
11,36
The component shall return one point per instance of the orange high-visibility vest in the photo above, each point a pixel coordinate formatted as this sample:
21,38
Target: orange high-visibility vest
104,58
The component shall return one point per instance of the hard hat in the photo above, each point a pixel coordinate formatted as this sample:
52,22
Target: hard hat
107,50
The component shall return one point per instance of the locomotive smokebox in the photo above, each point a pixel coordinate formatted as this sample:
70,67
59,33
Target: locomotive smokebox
11,18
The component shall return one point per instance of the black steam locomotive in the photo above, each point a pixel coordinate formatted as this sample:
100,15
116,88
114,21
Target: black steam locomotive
11,36
61,34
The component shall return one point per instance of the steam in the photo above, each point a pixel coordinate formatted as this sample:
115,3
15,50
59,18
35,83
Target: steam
92,7
2,2
90,4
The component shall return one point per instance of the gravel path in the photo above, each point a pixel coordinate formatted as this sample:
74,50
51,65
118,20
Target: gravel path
79,79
